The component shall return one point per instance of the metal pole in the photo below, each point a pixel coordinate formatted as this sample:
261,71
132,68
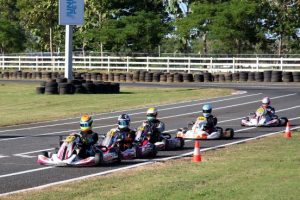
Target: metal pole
69,52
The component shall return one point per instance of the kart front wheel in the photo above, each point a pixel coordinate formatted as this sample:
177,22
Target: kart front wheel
98,158
283,121
228,134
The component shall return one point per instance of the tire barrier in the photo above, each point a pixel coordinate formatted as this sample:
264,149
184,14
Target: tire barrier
163,78
178,78
136,76
276,76
221,78
40,90
198,78
207,77
122,77
228,77
170,78
267,76
144,76
287,77
243,76
259,76
156,77
296,76
129,77
251,76
149,77
188,78
235,77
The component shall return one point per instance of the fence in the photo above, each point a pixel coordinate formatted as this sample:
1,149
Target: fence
167,64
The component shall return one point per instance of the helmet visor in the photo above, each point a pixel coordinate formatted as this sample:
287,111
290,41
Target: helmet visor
207,111
85,124
123,123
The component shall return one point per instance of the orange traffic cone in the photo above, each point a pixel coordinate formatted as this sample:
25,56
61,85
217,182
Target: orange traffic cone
287,133
197,155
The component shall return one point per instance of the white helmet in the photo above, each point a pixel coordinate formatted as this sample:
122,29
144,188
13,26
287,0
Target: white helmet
266,101
151,114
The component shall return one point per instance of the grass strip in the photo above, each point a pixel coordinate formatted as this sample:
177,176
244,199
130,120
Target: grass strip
19,103
263,169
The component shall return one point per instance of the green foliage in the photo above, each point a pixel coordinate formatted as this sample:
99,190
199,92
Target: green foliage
211,26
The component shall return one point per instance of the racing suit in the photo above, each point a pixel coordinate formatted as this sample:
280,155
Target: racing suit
124,136
89,139
270,111
211,124
156,127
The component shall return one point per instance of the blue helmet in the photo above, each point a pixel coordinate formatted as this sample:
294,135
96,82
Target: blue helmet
207,108
123,121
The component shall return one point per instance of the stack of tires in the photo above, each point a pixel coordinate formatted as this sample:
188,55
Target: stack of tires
63,86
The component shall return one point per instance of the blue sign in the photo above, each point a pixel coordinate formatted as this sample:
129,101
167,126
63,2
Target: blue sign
71,12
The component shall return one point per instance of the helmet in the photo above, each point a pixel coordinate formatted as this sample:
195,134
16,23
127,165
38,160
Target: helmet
265,101
86,122
123,121
151,114
206,109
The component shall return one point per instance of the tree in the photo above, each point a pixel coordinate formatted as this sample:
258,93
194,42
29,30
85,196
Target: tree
11,37
280,22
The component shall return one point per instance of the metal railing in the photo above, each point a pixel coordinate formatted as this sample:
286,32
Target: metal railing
167,64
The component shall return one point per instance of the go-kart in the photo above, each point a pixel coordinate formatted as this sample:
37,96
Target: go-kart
68,154
260,118
200,132
163,141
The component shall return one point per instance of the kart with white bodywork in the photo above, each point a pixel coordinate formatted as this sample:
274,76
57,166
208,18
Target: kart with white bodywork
260,118
199,131
162,141
68,154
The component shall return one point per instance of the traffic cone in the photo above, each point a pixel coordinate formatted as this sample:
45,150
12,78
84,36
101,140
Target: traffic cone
197,155
287,133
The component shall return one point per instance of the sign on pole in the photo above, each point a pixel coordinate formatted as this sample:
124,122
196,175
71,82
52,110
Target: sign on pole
71,12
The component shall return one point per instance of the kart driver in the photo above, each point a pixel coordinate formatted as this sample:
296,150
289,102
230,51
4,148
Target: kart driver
88,137
266,105
211,120
123,133
156,126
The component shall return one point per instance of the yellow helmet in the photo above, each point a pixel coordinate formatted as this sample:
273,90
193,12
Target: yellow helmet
151,114
86,122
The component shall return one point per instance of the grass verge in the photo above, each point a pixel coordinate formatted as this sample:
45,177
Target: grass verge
19,103
263,169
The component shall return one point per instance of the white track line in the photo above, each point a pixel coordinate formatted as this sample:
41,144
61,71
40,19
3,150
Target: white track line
138,165
71,118
136,113
171,116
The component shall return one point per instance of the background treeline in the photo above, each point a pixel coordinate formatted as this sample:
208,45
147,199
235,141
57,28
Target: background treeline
151,26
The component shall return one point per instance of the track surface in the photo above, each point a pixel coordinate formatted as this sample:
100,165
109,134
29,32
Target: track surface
20,145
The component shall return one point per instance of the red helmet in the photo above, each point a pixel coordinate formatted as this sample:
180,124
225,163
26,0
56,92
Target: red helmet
265,101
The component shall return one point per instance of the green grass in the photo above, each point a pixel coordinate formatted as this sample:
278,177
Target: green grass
19,103
264,169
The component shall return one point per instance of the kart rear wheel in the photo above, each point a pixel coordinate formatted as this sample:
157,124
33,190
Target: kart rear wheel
153,153
98,158
229,133
283,121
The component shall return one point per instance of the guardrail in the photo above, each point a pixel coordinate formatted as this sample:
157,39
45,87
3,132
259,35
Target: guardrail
167,64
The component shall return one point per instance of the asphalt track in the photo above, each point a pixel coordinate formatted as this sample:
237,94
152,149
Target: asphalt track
20,144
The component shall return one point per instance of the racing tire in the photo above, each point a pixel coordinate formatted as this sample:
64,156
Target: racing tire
181,142
98,158
166,143
153,153
283,121
46,154
231,133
